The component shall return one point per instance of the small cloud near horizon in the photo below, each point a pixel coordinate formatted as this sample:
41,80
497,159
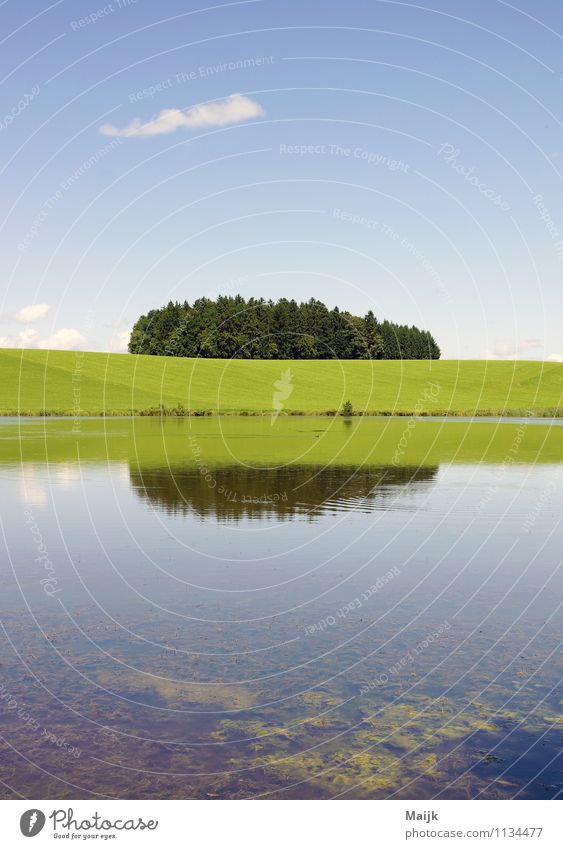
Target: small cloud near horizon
33,312
65,339
218,113
555,358
511,351
119,342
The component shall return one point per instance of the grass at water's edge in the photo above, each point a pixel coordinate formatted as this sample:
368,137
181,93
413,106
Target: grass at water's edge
546,413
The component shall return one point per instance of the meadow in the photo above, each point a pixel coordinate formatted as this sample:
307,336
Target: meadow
39,382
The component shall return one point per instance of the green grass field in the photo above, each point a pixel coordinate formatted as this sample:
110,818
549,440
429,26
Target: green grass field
34,382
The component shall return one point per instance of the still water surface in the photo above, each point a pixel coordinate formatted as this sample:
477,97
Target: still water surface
305,608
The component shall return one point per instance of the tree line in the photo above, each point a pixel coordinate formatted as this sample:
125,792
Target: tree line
256,329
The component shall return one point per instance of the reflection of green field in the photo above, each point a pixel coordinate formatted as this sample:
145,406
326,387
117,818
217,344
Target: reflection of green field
149,442
65,381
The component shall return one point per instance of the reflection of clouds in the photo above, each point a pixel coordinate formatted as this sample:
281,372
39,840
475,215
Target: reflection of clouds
32,488
36,481
66,474
120,473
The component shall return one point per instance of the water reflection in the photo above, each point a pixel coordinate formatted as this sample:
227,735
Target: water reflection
234,492
393,631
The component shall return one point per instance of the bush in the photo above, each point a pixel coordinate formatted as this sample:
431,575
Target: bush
347,409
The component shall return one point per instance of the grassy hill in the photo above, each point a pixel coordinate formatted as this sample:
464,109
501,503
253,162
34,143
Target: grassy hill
75,383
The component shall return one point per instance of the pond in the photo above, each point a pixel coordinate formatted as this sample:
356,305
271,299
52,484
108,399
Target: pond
280,608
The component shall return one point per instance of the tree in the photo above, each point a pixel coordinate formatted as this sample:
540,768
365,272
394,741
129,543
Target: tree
259,329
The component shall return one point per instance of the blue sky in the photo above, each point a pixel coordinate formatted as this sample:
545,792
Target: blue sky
400,157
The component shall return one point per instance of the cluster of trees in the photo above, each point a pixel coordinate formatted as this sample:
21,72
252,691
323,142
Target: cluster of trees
277,493
267,330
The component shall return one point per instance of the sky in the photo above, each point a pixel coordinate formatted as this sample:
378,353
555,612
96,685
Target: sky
399,157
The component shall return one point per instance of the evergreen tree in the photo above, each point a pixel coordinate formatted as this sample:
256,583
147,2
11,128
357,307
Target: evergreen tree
259,329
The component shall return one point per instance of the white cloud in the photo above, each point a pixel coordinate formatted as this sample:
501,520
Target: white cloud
65,339
119,342
555,358
218,113
33,312
512,350
27,338
24,339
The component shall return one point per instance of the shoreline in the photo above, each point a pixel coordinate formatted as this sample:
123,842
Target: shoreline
443,415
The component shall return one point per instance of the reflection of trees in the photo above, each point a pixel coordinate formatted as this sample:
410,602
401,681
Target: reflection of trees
235,492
